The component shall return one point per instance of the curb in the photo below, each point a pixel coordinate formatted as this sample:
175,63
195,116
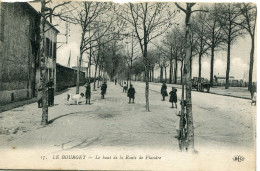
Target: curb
228,95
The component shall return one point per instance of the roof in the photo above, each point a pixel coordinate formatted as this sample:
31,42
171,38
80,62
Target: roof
223,77
39,15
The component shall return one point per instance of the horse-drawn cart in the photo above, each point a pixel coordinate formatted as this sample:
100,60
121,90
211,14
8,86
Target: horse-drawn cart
200,84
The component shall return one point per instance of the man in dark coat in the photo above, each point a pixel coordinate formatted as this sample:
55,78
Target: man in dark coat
115,81
87,93
164,91
103,90
50,88
131,93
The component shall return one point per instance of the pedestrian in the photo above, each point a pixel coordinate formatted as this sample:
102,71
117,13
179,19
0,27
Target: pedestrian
173,97
181,129
164,91
87,93
103,90
39,94
115,81
50,89
124,87
131,93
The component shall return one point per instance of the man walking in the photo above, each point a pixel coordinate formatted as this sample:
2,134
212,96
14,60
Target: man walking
131,93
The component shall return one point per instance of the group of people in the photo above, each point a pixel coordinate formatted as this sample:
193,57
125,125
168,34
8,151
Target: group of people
173,95
88,91
50,93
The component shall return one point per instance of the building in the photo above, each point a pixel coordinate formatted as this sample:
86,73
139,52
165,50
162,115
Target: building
19,51
221,80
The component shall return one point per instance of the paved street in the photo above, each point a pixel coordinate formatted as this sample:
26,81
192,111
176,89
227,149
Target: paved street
218,120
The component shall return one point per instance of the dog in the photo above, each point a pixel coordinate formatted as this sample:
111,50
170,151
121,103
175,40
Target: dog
74,98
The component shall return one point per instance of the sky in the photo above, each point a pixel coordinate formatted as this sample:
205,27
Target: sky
240,53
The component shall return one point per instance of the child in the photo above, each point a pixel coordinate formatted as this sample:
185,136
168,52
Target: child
173,97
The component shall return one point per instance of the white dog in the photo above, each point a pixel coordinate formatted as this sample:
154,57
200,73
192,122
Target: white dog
74,98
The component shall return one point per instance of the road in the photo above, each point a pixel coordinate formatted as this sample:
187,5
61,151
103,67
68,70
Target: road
221,123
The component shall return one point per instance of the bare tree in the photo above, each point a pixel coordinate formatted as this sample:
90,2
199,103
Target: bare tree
228,18
149,21
248,22
200,32
214,35
91,22
187,77
46,13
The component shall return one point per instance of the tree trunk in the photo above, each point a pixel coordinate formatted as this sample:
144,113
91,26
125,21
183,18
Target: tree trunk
187,76
152,74
170,71
94,88
251,65
165,78
175,70
212,65
78,73
200,55
99,71
228,65
43,69
161,73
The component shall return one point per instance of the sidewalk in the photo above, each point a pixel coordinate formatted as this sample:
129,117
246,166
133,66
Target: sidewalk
13,105
237,92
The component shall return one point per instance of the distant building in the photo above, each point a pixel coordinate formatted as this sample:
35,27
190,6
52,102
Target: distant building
83,69
222,79
19,51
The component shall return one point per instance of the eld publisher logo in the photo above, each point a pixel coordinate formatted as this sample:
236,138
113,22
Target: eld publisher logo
238,158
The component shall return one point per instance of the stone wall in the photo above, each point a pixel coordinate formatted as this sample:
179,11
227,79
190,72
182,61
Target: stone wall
17,68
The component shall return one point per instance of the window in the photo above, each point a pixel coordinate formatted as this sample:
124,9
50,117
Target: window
54,50
47,47
51,49
1,22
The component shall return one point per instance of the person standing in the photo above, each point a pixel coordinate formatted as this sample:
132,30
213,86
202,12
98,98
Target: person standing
173,97
103,90
124,87
39,94
115,81
164,91
87,93
50,85
131,93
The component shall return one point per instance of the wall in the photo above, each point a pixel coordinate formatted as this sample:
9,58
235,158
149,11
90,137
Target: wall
67,77
17,57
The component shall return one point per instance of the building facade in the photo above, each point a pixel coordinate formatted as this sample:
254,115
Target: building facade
19,51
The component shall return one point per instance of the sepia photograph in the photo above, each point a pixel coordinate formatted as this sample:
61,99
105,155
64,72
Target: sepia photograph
113,85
